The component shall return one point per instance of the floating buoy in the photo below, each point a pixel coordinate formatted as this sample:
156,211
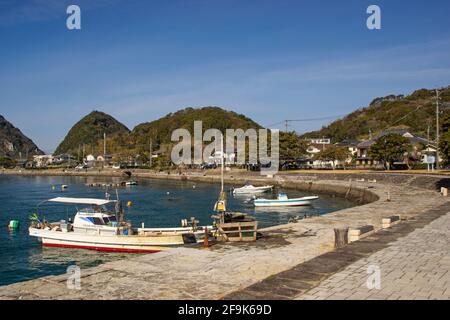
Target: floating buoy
13,225
167,192
53,187
193,187
129,204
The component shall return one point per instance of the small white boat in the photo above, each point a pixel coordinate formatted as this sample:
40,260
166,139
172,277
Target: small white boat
284,201
96,228
248,188
131,183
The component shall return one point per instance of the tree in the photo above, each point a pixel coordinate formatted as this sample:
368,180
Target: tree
291,145
389,148
444,140
6,162
333,154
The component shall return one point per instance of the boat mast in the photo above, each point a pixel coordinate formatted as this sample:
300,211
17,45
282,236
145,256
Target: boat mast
220,205
222,162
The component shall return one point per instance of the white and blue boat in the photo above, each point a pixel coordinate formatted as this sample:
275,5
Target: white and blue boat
284,201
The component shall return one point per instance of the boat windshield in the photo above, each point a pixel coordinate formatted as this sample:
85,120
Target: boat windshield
109,220
94,209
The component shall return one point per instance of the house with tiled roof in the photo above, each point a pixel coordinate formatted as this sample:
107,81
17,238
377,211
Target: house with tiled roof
362,153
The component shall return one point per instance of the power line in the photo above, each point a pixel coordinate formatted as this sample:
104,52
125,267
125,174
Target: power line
306,120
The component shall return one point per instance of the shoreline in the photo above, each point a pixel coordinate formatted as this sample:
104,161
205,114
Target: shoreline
276,252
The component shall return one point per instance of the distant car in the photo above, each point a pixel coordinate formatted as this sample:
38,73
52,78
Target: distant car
116,166
208,166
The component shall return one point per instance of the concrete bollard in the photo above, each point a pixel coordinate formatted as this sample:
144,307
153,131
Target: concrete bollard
389,221
360,233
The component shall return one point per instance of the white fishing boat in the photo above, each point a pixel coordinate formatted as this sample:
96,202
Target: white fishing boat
97,228
250,189
284,201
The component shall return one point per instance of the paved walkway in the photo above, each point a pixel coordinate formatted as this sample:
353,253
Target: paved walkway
414,267
412,257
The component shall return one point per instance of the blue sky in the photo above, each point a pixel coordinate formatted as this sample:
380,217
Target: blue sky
270,60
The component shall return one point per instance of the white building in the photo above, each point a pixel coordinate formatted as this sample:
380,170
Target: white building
41,161
320,141
217,157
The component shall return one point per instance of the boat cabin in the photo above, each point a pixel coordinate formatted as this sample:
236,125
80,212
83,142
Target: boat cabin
93,219
282,196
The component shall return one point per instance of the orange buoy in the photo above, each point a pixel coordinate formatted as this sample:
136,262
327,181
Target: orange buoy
129,204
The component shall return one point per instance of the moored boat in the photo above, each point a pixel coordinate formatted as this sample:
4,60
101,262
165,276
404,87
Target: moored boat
250,189
284,201
98,228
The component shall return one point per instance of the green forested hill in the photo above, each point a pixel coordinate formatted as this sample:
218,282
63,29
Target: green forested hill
123,144
212,117
89,131
415,112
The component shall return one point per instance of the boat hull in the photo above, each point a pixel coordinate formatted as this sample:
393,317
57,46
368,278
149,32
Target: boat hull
100,246
115,243
252,190
281,203
306,201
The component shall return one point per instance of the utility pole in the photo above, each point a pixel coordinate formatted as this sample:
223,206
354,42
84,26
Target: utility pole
437,129
428,147
150,153
286,123
104,150
104,145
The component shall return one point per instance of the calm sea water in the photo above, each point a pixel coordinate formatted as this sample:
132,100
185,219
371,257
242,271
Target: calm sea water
157,203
